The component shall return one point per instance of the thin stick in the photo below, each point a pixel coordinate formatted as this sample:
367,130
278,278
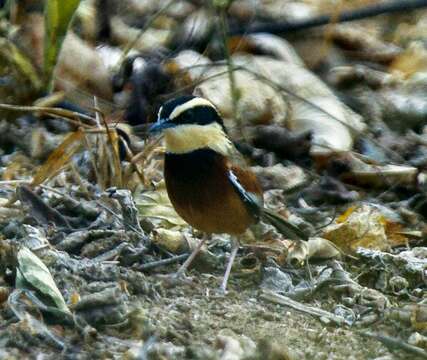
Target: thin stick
113,144
286,301
92,159
68,114
148,24
14,182
390,7
394,343
163,262
234,92
129,157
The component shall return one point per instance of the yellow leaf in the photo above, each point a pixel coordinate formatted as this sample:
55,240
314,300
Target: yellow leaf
344,216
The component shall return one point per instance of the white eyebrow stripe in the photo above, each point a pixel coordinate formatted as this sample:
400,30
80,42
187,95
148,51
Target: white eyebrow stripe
188,105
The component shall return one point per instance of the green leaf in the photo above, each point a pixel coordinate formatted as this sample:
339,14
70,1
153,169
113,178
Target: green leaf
34,274
57,18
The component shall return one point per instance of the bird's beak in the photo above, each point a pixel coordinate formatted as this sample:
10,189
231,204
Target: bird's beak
161,125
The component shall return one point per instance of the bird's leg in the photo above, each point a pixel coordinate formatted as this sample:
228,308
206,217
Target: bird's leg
190,259
234,249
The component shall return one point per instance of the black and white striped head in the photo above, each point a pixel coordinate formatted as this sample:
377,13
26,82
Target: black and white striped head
186,110
191,123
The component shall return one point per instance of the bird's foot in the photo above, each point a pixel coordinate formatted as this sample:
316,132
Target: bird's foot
218,292
222,291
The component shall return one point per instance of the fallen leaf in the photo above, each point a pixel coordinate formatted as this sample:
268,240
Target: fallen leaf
33,274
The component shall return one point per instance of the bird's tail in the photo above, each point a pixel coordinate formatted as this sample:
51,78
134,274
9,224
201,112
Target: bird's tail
289,230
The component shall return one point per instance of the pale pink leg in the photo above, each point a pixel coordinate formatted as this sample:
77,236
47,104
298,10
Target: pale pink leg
190,259
234,249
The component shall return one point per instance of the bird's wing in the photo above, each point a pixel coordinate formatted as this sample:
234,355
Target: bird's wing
252,200
249,189
244,182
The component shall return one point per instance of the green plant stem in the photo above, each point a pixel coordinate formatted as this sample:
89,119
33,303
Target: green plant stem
235,95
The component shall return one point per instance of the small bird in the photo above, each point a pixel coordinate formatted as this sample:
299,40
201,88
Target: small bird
206,180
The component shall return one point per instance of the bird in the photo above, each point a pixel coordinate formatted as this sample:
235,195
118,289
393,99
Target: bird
207,180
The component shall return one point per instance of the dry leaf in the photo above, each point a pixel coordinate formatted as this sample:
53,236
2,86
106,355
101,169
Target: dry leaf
364,226
317,247
259,81
171,240
156,204
58,158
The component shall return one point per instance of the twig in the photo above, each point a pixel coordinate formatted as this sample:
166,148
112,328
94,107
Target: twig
129,156
138,36
67,114
390,7
155,264
112,138
111,254
286,301
118,217
38,327
92,159
394,343
14,182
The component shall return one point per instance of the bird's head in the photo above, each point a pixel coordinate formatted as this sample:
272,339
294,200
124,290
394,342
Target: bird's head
191,123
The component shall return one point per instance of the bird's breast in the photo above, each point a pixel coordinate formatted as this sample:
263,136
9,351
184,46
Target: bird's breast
200,191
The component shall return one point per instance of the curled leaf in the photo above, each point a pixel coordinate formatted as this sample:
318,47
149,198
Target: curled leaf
313,248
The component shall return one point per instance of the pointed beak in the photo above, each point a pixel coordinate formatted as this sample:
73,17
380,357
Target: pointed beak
160,125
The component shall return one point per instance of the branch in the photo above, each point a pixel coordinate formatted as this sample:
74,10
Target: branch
390,7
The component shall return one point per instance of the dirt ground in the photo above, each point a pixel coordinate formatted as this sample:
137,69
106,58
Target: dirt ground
193,316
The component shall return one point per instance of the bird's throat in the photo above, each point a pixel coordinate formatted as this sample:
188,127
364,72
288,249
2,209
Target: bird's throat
187,138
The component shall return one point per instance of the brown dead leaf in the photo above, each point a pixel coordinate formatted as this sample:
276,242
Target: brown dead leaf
59,157
395,232
20,165
411,61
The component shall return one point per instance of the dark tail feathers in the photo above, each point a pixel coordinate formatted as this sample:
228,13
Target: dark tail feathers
282,225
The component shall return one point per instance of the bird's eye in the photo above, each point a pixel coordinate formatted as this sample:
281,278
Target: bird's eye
187,117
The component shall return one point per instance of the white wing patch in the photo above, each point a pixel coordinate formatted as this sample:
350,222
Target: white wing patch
251,200
160,111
